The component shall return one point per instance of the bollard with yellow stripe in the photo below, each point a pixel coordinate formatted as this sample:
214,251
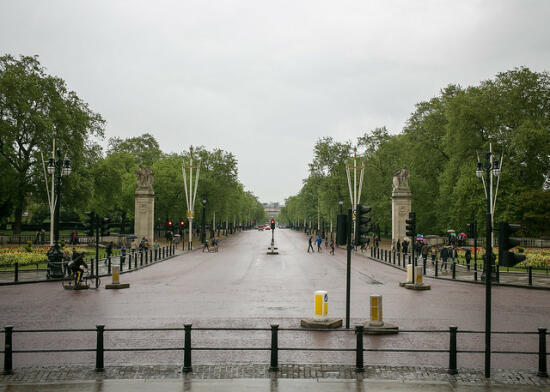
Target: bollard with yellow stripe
115,284
418,275
321,304
376,325
376,310
409,273
320,317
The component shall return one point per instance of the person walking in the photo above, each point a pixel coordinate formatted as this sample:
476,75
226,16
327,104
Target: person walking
319,242
433,252
332,247
108,252
424,253
310,244
468,256
122,253
444,254
206,246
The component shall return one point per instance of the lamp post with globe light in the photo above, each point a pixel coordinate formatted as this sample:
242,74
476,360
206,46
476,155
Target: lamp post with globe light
485,171
58,168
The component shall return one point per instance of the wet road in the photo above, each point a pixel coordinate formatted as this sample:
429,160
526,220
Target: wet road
241,286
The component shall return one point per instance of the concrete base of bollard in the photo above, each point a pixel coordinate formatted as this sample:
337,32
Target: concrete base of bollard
77,287
117,286
377,329
321,323
418,286
272,251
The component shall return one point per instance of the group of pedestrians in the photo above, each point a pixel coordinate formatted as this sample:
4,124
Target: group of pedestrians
319,242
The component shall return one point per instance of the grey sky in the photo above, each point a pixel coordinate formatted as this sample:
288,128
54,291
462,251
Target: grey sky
264,80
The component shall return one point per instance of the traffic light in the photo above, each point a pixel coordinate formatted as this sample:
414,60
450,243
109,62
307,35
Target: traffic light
361,224
169,224
89,223
411,225
341,229
105,226
182,223
505,257
272,224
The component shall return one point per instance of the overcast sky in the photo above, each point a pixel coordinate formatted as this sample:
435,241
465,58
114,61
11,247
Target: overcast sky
264,80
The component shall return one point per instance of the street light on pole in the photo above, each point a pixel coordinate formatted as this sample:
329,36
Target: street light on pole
203,232
490,168
190,191
57,168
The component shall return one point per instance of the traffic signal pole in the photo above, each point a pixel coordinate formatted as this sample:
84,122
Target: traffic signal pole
348,268
97,253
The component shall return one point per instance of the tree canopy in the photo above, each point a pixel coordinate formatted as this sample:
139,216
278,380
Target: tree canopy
440,146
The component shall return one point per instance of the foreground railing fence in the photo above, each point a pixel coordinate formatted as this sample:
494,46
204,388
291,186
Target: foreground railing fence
273,349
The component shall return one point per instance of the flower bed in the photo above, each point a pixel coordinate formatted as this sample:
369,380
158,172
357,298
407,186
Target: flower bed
10,256
536,258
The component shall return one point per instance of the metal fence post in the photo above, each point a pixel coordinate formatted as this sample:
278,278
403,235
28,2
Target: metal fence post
8,348
99,348
359,368
109,266
393,258
498,273
542,353
453,267
452,350
156,251
135,259
150,256
274,367
187,349
530,271
16,272
436,267
424,266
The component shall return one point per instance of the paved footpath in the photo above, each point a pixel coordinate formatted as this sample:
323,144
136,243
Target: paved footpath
259,378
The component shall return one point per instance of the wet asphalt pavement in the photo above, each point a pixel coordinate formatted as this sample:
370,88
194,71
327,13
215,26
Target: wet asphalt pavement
242,286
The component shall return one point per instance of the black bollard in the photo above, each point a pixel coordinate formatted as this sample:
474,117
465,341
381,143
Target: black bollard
187,350
359,368
452,351
274,365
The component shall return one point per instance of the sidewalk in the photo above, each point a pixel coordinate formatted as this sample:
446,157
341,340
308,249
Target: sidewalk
39,275
515,279
259,378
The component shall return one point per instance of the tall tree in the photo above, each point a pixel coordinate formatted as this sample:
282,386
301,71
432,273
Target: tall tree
33,105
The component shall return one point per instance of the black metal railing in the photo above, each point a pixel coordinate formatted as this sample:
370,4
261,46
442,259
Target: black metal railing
127,263
274,348
400,260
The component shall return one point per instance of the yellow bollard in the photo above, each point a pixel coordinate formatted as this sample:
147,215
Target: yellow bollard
376,310
321,303
116,273
409,273
116,280
418,274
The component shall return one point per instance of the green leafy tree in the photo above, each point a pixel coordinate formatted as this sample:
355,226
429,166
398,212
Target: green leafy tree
33,105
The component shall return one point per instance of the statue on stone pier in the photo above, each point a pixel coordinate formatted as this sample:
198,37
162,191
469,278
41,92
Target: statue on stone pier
144,177
401,179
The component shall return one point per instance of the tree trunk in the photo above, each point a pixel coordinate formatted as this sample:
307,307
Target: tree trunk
18,212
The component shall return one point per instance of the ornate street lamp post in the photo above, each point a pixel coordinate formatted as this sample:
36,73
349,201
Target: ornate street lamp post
489,168
203,232
57,168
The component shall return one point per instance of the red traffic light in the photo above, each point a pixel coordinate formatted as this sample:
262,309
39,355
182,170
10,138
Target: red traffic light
169,223
272,223
182,223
